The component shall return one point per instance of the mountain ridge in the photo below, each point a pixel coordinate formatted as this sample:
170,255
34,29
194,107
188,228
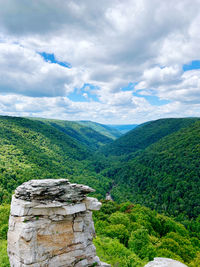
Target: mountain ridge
43,148
164,175
145,134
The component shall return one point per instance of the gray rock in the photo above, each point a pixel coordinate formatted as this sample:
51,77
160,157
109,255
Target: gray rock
52,189
103,264
164,262
51,225
92,203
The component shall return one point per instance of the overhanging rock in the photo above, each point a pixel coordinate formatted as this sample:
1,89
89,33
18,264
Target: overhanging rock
51,225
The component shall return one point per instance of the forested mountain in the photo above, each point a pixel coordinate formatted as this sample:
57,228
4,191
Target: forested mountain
123,128
166,174
86,133
106,130
32,149
145,135
156,165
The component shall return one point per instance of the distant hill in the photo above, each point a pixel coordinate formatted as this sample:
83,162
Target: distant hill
145,135
107,130
163,171
123,128
35,149
157,164
85,133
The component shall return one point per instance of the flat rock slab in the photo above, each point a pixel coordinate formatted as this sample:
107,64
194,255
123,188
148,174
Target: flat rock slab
165,262
52,189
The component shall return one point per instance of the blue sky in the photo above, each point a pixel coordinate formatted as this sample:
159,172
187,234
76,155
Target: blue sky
84,94
194,65
51,59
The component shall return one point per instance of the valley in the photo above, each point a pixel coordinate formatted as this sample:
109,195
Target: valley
151,172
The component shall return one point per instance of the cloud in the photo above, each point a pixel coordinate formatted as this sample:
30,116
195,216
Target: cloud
109,45
25,72
171,84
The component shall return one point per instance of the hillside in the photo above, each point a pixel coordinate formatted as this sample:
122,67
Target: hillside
165,175
159,165
156,165
145,135
87,134
32,149
123,128
107,130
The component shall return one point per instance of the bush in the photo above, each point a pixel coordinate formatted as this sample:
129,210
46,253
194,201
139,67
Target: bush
115,253
118,231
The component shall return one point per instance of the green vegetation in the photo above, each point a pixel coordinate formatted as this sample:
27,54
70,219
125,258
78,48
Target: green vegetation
132,235
155,165
164,175
106,130
91,134
123,128
32,149
4,215
158,165
145,135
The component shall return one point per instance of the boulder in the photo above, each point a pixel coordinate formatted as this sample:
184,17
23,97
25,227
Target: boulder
164,262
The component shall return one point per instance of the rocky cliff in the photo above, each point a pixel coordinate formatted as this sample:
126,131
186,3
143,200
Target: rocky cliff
51,225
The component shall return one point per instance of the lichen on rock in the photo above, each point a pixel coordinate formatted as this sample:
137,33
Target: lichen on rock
51,225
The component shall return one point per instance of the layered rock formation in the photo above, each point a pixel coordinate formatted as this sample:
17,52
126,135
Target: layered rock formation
51,225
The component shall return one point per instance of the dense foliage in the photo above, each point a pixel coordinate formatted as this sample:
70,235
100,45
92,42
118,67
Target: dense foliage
145,135
159,167
91,134
123,128
164,176
32,149
106,130
132,235
4,215
156,165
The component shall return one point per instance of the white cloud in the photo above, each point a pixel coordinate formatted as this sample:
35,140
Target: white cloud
171,84
25,72
109,44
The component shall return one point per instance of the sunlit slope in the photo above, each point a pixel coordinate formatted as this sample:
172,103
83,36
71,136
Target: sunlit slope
31,149
84,133
145,135
123,128
102,129
165,175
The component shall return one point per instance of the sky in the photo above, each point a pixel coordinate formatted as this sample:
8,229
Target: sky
109,61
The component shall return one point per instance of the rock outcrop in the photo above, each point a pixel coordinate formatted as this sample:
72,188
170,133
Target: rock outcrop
164,262
51,225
